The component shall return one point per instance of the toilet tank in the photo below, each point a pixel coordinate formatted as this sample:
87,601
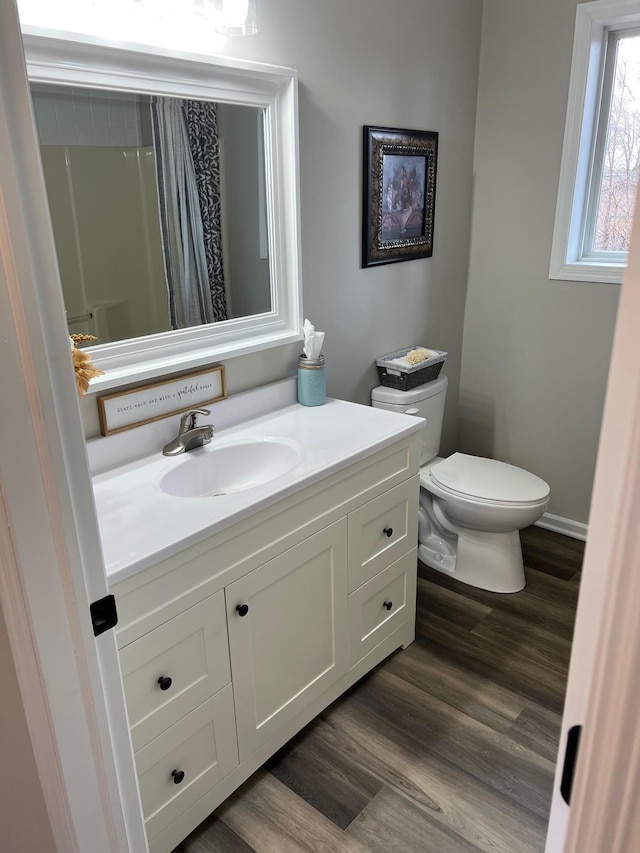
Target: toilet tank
425,401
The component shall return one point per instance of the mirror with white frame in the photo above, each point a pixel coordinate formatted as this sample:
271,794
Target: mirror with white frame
127,195
173,190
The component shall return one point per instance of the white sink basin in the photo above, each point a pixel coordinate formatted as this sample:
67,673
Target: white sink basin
231,467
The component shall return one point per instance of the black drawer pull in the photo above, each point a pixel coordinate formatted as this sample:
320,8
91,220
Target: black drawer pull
388,531
165,682
242,609
178,776
387,604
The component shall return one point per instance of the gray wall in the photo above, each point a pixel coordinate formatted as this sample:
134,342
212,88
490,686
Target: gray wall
536,352
410,64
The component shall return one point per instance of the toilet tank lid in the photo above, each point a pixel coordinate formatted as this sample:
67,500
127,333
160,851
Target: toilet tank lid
382,394
489,479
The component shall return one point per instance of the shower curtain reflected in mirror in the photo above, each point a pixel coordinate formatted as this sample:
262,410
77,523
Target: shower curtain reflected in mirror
185,136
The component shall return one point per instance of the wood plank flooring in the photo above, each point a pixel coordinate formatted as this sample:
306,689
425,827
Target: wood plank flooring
446,747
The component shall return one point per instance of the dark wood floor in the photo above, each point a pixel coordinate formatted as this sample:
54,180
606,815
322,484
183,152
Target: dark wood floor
446,747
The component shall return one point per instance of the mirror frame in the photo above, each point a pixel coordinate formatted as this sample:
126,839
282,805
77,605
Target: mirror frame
86,62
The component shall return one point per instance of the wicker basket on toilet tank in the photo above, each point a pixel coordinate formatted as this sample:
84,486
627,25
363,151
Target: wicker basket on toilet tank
403,378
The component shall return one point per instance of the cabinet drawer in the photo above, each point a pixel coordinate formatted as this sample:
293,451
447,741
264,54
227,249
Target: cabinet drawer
174,668
202,746
381,605
381,531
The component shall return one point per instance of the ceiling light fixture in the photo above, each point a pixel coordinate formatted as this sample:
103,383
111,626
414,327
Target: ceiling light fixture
236,17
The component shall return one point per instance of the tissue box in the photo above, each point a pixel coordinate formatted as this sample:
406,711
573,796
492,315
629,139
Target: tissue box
394,376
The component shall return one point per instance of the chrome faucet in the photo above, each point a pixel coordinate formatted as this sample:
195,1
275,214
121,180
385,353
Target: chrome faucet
190,435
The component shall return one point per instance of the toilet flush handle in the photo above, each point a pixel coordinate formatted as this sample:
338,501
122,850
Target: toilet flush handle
412,411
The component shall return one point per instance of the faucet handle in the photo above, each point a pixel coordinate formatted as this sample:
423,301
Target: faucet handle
190,419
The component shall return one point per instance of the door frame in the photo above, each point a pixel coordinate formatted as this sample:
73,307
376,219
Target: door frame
52,567
603,692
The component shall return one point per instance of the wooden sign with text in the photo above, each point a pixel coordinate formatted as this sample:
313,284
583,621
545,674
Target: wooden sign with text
137,406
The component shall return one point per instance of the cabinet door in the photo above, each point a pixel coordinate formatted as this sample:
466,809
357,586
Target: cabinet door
291,644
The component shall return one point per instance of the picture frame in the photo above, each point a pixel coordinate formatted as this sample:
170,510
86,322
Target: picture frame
399,192
173,395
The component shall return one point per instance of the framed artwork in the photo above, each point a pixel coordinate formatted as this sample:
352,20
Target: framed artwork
171,396
399,193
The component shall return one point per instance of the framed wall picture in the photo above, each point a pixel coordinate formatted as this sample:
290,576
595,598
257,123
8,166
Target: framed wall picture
399,193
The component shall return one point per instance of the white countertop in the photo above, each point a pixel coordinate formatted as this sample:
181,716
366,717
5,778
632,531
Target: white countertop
141,525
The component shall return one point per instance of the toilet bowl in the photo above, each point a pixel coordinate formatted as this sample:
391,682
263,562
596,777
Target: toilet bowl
471,508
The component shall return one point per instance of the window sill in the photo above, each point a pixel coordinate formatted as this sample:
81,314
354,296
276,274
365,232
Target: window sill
586,271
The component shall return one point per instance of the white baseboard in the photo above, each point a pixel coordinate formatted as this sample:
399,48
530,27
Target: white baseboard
575,529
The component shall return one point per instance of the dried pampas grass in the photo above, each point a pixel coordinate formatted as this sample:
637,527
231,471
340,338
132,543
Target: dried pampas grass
82,364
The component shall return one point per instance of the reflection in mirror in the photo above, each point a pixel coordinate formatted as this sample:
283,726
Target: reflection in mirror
158,208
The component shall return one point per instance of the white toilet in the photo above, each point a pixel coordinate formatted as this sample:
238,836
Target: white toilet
471,508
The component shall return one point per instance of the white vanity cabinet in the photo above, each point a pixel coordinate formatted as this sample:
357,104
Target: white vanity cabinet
231,646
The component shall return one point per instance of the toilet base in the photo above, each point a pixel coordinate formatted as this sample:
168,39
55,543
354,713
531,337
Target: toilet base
491,561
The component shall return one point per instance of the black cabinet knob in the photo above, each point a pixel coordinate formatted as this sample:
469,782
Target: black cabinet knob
165,682
387,604
242,609
388,531
178,776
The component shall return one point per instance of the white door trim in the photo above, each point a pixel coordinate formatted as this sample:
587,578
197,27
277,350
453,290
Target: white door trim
70,686
604,809
603,692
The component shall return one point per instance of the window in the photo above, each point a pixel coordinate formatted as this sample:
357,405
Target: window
616,153
601,154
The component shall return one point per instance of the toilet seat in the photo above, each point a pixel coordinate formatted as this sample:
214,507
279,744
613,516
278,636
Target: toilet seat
487,480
